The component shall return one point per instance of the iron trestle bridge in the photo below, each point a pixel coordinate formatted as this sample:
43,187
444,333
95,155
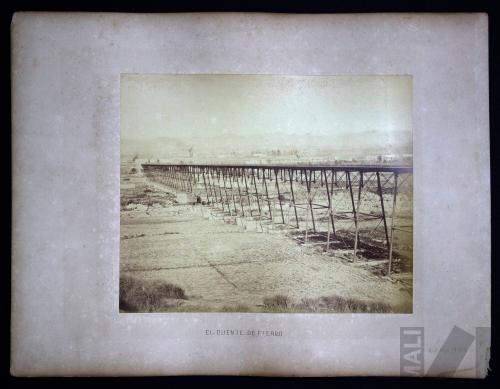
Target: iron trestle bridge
364,210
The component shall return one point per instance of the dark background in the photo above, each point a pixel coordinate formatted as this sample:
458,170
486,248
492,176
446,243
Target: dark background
307,6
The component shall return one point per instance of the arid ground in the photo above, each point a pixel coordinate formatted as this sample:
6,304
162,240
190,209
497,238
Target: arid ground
215,263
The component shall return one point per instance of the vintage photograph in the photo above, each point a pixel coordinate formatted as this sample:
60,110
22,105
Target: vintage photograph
266,193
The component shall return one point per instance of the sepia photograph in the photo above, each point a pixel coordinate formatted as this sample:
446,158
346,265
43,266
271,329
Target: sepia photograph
263,193
250,194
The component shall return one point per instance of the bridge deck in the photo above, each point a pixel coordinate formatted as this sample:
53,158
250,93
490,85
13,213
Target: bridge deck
333,167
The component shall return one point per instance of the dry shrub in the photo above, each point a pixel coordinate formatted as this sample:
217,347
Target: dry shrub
332,304
308,305
238,308
349,304
138,295
278,301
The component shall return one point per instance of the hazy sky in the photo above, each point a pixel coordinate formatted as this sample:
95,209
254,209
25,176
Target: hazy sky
188,105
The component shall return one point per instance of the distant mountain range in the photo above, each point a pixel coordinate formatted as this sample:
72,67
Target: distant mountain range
356,143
